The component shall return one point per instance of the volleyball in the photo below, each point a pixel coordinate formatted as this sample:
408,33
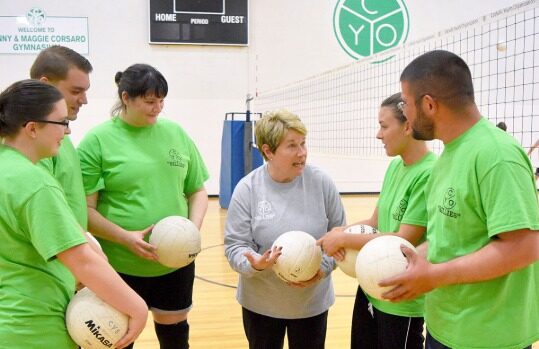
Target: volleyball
380,258
348,264
94,240
177,240
93,323
300,257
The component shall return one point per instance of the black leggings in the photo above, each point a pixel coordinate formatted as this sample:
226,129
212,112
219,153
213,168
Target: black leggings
265,332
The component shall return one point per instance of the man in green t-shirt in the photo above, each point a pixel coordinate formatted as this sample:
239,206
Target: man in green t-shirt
482,275
69,72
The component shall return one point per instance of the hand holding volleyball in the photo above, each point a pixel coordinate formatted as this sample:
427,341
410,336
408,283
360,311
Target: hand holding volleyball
418,279
177,241
379,259
300,257
93,323
348,264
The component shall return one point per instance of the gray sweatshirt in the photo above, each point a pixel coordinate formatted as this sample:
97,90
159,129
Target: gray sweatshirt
261,210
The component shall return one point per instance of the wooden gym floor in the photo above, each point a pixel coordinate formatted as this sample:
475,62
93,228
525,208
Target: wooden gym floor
215,320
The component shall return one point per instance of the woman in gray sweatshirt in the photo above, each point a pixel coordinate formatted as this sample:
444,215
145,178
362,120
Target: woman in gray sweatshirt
283,195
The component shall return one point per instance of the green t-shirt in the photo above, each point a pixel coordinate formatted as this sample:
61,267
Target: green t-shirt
142,174
481,186
65,167
35,225
402,200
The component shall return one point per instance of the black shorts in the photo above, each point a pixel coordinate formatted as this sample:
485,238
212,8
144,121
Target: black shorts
170,292
374,329
537,171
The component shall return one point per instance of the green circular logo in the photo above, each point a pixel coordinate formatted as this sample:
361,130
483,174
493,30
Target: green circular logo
366,27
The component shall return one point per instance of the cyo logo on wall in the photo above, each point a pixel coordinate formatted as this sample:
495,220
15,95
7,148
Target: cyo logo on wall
366,27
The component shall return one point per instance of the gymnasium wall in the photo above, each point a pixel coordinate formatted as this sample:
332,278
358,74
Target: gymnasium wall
293,40
289,40
204,81
338,97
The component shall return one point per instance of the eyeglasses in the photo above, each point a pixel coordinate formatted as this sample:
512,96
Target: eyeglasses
402,104
64,123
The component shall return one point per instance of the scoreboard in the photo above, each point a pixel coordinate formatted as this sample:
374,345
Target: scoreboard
204,22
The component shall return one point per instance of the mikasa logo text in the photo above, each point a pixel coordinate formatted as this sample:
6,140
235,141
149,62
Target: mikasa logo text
95,331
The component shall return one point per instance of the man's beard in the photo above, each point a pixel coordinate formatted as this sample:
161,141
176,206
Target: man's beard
422,128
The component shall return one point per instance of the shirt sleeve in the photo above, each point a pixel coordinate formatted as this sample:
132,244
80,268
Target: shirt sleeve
238,233
416,211
50,223
90,155
504,210
197,173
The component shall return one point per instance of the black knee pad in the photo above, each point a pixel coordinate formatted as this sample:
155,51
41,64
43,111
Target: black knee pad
175,336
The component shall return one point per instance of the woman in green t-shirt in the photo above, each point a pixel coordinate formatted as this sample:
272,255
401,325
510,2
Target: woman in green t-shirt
137,169
43,248
401,209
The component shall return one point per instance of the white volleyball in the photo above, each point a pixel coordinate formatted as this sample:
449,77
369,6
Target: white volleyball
300,257
379,259
177,240
93,323
94,240
348,264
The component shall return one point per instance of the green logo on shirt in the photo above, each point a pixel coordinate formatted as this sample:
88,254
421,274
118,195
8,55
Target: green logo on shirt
175,158
450,201
366,27
399,211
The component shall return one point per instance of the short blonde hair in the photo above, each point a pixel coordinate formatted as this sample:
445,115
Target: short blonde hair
271,128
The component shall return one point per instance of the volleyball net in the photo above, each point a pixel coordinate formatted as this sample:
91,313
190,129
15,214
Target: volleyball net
340,107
